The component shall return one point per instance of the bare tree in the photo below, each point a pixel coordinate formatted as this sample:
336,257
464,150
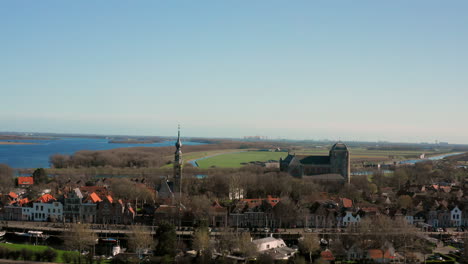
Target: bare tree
80,238
309,244
140,239
6,178
246,247
201,240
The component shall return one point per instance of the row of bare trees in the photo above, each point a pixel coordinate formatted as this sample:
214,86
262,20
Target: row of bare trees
138,157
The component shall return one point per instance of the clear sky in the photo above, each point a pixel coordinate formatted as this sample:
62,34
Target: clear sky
352,70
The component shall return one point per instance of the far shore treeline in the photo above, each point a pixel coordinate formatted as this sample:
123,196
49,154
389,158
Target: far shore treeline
140,157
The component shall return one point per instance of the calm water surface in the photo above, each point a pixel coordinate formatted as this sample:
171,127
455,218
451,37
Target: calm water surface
37,155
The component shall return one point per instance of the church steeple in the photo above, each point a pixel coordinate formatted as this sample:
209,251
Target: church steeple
178,164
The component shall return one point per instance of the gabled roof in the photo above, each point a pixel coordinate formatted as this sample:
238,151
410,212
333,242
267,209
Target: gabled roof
347,203
315,160
110,199
25,180
94,198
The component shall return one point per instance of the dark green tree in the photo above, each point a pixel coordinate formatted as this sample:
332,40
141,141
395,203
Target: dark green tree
40,176
167,239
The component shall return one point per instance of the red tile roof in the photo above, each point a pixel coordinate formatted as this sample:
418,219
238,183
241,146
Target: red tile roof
347,203
25,180
23,201
110,198
377,254
131,210
256,202
13,195
327,255
94,198
45,198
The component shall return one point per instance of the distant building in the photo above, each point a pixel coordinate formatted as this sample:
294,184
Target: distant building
337,163
24,182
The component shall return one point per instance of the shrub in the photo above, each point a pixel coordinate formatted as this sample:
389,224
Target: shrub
4,252
49,255
14,254
27,254
67,257
38,256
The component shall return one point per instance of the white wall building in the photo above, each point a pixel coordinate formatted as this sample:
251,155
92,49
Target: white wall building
267,243
52,211
456,216
350,219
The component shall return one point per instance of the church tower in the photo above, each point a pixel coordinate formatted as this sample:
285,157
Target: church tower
340,161
178,165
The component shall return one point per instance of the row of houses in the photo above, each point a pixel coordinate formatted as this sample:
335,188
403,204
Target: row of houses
86,204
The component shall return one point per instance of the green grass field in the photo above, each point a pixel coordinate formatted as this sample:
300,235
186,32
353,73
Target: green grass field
235,160
34,248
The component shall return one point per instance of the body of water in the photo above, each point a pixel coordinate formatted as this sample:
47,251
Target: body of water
37,155
431,158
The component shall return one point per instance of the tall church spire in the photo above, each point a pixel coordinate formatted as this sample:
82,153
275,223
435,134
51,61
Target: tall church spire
178,164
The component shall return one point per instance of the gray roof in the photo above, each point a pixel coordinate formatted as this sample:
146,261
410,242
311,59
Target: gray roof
264,240
78,193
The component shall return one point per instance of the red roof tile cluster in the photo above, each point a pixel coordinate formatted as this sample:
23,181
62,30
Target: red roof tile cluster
377,254
327,255
94,198
46,198
257,202
131,210
13,195
347,203
25,180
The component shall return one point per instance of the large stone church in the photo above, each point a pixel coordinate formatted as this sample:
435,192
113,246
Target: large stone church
335,166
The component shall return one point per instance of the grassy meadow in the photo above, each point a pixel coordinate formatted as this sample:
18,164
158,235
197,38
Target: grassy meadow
235,160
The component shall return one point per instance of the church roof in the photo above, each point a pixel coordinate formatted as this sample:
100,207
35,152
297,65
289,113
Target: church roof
288,158
314,160
339,146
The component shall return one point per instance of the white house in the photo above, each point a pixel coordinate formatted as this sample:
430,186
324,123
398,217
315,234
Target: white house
274,247
267,243
456,216
409,219
52,211
350,219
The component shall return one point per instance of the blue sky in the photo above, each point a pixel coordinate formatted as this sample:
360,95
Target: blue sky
350,70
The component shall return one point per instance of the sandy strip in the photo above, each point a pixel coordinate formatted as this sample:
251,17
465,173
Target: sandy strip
16,143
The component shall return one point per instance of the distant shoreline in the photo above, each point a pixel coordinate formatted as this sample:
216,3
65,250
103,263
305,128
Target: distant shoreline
16,143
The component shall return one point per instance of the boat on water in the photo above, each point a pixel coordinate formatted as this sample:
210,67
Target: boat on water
32,234
111,246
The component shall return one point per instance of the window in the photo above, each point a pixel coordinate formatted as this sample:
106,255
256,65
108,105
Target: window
268,245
